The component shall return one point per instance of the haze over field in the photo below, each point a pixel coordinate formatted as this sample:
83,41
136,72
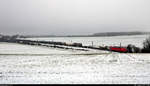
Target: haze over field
73,17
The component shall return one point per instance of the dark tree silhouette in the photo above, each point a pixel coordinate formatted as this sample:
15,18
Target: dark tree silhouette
146,43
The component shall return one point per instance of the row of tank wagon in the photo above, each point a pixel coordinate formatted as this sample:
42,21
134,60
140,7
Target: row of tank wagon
32,42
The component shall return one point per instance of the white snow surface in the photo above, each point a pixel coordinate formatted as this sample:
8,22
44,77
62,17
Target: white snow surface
26,64
136,40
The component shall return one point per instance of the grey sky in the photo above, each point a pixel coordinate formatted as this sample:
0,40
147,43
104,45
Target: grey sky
63,17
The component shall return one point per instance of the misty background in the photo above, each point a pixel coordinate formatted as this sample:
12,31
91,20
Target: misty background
73,17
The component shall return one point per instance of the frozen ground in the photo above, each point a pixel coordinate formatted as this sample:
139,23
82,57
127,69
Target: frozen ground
136,40
25,64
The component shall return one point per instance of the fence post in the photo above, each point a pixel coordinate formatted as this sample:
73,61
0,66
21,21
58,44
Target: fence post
92,43
120,44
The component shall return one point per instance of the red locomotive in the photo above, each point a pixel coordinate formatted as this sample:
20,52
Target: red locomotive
118,49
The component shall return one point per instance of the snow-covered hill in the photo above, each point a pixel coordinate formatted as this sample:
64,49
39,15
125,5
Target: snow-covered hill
27,64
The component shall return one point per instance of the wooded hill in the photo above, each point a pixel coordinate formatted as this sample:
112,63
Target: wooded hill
101,34
120,33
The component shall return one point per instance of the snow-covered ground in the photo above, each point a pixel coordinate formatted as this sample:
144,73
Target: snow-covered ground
26,64
137,40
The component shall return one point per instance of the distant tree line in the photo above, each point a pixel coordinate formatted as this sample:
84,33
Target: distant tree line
120,33
8,38
93,35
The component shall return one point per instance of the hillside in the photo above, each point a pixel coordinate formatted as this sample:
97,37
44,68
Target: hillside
119,33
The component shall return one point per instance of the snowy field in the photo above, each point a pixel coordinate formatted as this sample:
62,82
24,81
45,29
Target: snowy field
137,40
26,64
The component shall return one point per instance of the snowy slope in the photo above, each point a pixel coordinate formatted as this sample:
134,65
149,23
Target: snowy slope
137,40
26,64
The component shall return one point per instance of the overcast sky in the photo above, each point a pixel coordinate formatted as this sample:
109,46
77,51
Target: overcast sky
66,17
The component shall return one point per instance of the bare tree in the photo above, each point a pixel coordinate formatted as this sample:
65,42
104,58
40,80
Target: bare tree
146,43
